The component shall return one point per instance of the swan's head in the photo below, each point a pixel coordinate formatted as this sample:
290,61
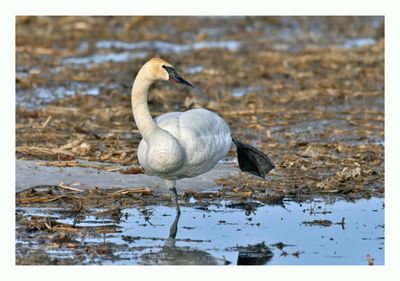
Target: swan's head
159,69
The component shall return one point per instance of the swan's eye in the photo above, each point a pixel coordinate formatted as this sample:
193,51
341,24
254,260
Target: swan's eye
167,68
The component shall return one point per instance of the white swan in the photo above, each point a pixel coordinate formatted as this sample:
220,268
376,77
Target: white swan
184,144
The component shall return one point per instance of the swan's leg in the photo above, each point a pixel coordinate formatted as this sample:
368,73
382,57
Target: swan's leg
170,242
171,184
174,227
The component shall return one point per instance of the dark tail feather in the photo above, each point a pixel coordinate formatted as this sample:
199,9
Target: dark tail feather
252,160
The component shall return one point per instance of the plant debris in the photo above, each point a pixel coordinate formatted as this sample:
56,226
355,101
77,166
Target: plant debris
313,101
324,223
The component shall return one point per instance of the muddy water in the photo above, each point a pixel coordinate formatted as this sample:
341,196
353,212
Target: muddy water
307,90
325,233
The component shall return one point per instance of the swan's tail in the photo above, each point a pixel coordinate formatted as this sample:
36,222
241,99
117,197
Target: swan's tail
252,160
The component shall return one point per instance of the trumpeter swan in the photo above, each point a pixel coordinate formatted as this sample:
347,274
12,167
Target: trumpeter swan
186,144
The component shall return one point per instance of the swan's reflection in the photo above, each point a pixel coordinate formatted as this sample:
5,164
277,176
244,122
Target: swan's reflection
170,254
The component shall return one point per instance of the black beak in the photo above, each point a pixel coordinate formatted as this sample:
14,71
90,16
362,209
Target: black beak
175,77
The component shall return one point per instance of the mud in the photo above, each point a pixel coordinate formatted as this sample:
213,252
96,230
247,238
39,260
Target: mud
308,91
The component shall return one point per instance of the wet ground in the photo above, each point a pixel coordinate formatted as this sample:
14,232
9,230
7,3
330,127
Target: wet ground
316,231
309,91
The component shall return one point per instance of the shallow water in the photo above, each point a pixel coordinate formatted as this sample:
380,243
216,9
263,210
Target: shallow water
358,42
102,58
240,92
102,64
168,47
41,96
310,233
158,46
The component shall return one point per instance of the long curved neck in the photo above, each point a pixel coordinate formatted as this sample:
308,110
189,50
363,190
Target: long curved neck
140,108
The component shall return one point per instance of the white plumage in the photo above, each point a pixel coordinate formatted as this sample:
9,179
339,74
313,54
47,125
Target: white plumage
177,144
203,138
184,144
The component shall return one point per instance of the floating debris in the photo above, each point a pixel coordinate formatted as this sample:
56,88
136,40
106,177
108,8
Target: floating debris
324,223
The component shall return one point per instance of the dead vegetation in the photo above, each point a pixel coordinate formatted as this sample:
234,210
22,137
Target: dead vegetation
66,196
318,111
315,108
130,170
